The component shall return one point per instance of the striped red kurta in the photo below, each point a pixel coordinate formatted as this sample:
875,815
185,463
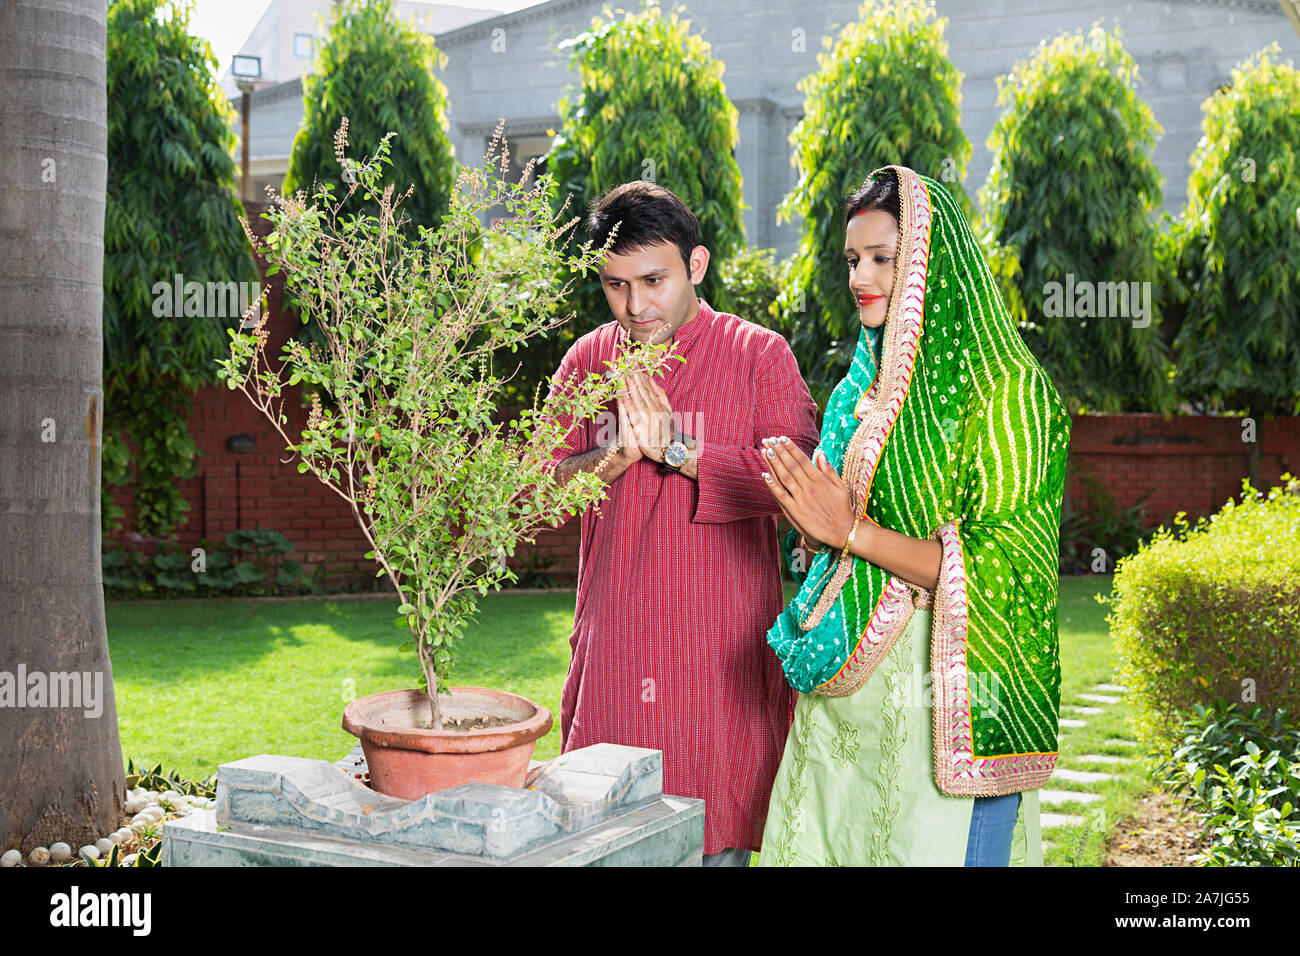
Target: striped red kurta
679,580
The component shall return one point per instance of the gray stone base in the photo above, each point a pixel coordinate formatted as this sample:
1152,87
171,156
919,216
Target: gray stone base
600,806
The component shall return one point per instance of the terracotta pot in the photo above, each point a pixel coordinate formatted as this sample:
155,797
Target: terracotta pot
408,762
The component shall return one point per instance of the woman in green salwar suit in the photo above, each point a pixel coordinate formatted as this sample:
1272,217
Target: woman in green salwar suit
923,637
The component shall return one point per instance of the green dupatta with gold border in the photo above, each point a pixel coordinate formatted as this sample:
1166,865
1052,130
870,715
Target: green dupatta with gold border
958,436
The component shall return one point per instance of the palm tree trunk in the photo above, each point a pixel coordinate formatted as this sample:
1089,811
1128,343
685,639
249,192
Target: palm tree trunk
61,775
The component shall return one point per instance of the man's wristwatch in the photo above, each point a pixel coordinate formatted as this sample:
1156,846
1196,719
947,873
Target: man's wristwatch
676,454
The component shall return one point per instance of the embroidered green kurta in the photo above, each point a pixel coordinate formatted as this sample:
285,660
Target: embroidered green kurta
856,783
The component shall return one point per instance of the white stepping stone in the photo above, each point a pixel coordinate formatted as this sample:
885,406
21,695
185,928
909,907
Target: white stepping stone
1101,758
1119,742
1053,797
1083,710
1081,776
1100,698
1069,722
1112,688
1049,820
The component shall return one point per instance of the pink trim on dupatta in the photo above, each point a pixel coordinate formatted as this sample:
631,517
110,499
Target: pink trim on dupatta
957,771
881,409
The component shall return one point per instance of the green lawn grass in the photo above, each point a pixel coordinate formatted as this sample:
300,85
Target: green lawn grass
1088,658
202,682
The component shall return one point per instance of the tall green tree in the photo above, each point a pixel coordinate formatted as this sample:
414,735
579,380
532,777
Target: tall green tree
61,765
885,93
377,71
1236,250
650,105
172,210
1071,195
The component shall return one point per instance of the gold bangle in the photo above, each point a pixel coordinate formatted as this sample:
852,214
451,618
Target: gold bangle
852,531
803,543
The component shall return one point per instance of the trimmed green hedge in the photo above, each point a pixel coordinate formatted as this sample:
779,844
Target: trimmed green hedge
1212,613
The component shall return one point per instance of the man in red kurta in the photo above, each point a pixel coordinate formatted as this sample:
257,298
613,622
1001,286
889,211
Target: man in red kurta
678,573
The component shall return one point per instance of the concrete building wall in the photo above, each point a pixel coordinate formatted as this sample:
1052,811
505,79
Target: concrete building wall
1184,50
513,66
272,37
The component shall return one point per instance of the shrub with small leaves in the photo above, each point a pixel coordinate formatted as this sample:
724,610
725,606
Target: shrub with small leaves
1212,612
410,437
1240,772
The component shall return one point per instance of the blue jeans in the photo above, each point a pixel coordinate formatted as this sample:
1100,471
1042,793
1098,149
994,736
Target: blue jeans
991,826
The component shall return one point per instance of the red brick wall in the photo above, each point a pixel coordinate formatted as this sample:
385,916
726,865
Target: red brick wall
234,491
1191,464
1187,463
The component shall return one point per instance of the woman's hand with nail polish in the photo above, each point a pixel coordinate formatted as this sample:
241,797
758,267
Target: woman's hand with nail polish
815,500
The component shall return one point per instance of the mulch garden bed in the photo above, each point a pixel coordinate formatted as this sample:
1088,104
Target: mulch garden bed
1163,831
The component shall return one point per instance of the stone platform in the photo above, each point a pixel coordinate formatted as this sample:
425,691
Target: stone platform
599,806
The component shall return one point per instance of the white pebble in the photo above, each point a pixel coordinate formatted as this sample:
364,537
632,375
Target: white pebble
169,795
104,845
157,813
60,852
139,825
117,836
133,806
90,851
39,856
129,859
11,858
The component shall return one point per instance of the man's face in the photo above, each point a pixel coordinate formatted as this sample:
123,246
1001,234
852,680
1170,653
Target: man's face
650,291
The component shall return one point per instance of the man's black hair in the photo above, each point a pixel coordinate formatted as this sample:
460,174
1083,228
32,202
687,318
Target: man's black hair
648,215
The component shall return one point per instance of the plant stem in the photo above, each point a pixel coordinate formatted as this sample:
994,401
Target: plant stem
431,678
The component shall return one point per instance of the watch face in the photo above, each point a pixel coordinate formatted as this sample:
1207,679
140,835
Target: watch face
675,454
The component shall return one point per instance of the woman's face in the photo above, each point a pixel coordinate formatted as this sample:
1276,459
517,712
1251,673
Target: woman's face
871,246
